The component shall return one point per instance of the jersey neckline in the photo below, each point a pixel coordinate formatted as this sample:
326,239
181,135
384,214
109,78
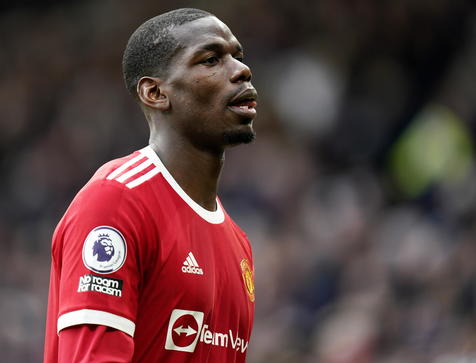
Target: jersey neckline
214,217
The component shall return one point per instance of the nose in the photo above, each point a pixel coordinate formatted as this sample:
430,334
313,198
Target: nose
241,72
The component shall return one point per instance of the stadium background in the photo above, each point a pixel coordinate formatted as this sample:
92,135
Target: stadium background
358,195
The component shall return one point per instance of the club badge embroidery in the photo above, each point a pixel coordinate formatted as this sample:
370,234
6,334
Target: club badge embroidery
104,250
248,278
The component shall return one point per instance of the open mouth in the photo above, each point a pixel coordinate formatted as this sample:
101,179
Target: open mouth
246,109
245,103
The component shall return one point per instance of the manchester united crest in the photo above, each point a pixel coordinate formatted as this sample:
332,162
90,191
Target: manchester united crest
248,278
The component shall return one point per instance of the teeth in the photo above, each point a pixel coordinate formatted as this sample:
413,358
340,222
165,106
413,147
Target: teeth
243,107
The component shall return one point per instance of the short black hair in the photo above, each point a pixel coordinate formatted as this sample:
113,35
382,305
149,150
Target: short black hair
152,46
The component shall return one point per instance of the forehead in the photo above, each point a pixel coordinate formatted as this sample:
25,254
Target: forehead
197,33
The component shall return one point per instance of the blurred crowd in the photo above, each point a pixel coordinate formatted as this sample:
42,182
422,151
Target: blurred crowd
358,194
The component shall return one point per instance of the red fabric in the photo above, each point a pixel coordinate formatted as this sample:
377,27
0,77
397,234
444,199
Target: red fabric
185,288
94,344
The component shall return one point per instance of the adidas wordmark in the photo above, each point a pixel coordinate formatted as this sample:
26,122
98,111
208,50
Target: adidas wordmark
190,265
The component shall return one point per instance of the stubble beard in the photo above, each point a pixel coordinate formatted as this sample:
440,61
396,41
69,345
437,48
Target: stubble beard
238,137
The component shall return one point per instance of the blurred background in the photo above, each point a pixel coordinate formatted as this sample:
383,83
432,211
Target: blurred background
358,194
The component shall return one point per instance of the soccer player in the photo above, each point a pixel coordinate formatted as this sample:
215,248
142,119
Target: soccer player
146,264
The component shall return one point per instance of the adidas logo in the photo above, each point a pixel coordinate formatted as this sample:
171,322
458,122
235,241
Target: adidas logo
190,265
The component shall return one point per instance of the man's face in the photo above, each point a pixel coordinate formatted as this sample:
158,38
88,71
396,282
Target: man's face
211,96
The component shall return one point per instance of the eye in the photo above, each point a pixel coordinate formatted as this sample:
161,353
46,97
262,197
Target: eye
210,61
240,58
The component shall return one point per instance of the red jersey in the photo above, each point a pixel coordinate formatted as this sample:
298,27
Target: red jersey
135,253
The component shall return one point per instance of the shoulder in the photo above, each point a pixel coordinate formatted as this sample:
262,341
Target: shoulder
115,187
124,174
130,171
103,201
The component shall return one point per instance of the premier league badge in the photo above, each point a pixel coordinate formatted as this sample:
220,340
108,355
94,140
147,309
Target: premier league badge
104,250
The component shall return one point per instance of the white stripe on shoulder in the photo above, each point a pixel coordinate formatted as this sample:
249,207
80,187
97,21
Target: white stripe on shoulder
143,178
124,166
96,317
134,171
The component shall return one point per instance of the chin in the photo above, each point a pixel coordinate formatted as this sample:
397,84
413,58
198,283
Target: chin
239,137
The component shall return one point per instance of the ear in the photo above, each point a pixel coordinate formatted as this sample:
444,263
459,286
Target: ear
152,94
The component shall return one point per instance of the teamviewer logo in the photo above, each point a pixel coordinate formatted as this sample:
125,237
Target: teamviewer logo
184,330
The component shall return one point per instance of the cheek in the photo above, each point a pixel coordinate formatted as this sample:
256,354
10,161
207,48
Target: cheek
204,77
200,92
206,88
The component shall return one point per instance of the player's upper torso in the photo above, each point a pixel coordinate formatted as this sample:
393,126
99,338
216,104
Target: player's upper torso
134,252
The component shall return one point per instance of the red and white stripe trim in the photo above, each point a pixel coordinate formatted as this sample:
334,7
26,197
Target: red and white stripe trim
145,166
131,172
96,317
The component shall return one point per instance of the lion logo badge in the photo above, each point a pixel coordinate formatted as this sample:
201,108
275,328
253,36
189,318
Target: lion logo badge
104,250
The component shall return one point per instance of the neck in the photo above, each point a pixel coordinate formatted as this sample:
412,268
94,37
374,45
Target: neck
196,171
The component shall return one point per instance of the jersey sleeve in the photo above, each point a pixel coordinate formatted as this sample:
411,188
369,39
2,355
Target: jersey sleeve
97,253
94,343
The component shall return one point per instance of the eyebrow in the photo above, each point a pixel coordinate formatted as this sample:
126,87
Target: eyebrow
218,47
